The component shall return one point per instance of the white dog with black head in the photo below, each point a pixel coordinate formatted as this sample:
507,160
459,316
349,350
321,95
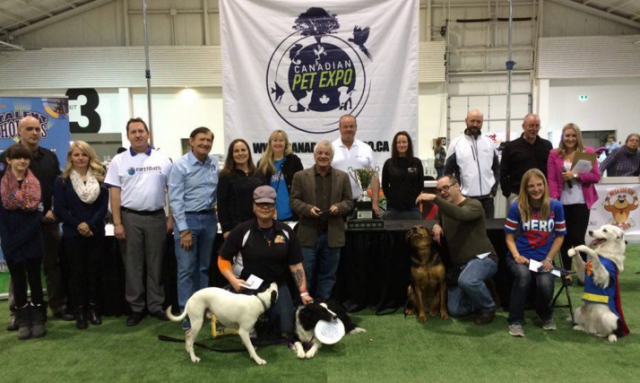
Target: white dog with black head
235,311
601,314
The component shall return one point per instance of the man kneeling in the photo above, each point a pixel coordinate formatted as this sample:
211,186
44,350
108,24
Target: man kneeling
461,220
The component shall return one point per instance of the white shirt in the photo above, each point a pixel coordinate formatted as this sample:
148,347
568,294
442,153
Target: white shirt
360,156
142,179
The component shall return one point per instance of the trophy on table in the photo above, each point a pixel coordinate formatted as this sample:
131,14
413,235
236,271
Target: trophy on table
364,206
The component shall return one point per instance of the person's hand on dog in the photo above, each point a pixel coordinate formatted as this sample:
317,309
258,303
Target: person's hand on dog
425,197
186,240
315,212
520,259
306,299
334,210
437,233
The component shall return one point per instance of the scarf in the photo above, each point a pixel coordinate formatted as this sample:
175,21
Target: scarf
87,192
20,197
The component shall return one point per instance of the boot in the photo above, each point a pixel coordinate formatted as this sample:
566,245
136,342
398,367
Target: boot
13,324
23,318
94,315
38,318
81,318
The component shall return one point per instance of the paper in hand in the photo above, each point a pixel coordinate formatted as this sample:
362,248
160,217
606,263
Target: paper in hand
252,283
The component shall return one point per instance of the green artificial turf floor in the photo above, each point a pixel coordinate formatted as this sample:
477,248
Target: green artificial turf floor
394,349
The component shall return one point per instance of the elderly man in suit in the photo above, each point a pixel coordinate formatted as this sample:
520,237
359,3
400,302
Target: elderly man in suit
321,196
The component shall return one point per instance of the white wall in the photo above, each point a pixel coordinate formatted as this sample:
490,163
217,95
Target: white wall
612,105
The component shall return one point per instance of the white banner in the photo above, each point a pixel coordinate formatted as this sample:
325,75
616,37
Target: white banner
300,65
617,205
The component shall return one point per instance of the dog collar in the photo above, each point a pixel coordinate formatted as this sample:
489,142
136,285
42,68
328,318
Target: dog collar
264,304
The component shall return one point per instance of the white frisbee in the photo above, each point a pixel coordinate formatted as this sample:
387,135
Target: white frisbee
329,332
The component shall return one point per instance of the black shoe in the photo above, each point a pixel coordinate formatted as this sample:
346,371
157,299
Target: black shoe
93,315
65,315
81,318
134,319
13,324
485,318
160,315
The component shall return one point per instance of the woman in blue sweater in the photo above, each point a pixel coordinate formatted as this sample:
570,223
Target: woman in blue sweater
80,200
540,221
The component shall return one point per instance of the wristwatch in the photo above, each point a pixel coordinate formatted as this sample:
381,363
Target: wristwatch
575,176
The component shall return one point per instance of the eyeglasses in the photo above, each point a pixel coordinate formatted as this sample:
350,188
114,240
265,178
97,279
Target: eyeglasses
445,188
265,206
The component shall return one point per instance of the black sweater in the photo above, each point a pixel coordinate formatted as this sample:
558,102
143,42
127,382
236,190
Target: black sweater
235,198
402,182
520,156
72,211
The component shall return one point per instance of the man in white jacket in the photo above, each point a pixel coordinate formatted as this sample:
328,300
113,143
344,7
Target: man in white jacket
472,158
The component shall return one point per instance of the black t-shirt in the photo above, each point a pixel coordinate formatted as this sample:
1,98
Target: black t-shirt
269,262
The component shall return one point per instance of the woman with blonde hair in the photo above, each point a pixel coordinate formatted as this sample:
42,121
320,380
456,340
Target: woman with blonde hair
80,200
576,191
542,227
277,166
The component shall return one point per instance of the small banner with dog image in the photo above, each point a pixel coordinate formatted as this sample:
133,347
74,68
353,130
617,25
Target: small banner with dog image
301,65
617,205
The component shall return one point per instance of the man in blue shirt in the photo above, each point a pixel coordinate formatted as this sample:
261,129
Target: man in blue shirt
192,196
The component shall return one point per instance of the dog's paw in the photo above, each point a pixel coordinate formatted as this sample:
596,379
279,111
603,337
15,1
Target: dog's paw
300,355
409,312
612,338
444,316
260,361
195,359
311,353
357,330
422,318
433,313
571,252
578,328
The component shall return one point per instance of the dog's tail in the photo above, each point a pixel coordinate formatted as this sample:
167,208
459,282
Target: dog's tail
175,318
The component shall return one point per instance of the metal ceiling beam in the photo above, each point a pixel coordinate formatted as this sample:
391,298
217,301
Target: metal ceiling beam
12,15
41,10
619,6
11,45
72,5
60,17
596,12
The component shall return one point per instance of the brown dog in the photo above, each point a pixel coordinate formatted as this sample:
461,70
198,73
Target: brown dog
428,287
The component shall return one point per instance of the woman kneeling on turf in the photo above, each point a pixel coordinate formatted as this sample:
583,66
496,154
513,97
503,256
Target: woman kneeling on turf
542,228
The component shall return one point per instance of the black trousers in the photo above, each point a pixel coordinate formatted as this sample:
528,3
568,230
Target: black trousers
577,219
26,274
83,255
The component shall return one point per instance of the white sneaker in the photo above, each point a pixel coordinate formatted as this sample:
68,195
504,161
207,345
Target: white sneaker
549,325
516,330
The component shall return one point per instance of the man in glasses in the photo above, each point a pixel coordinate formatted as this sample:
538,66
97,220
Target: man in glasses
321,196
461,220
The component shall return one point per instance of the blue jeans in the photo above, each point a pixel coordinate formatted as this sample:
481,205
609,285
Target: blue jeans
282,314
193,265
326,260
471,294
522,278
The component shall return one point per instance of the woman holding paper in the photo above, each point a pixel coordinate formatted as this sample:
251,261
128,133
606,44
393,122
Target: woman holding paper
542,230
573,187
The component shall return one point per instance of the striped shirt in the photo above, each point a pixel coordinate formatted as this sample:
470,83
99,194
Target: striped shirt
621,163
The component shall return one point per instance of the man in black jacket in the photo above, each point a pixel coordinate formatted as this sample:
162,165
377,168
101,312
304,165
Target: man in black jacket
46,167
527,152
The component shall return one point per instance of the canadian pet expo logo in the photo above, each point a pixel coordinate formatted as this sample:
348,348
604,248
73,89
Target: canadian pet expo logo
315,75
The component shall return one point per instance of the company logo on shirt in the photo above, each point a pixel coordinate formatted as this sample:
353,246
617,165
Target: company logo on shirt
145,169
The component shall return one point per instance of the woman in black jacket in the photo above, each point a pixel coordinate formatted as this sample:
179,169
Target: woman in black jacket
238,180
21,240
277,166
402,180
81,200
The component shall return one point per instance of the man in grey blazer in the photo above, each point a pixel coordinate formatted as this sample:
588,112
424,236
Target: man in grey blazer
321,196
